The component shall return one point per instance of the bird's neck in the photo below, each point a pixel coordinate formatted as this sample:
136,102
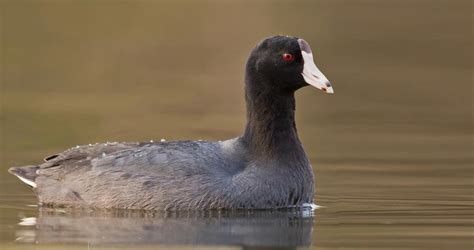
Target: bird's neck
271,131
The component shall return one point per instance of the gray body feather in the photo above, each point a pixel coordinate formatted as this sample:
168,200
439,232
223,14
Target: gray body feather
167,176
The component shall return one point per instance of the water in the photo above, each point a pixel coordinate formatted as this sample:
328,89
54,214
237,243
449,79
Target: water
391,150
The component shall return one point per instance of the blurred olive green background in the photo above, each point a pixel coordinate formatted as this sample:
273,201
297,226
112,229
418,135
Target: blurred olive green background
397,131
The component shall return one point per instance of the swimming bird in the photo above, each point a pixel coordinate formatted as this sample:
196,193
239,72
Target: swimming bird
265,168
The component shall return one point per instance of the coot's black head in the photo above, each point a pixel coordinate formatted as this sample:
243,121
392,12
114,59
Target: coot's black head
284,64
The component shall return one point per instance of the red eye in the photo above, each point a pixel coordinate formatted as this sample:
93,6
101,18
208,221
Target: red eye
288,57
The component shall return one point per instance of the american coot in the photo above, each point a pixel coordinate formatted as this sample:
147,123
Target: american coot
264,168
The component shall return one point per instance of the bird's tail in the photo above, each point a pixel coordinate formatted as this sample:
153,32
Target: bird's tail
27,174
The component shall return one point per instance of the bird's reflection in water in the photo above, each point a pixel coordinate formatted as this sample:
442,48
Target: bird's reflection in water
280,228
